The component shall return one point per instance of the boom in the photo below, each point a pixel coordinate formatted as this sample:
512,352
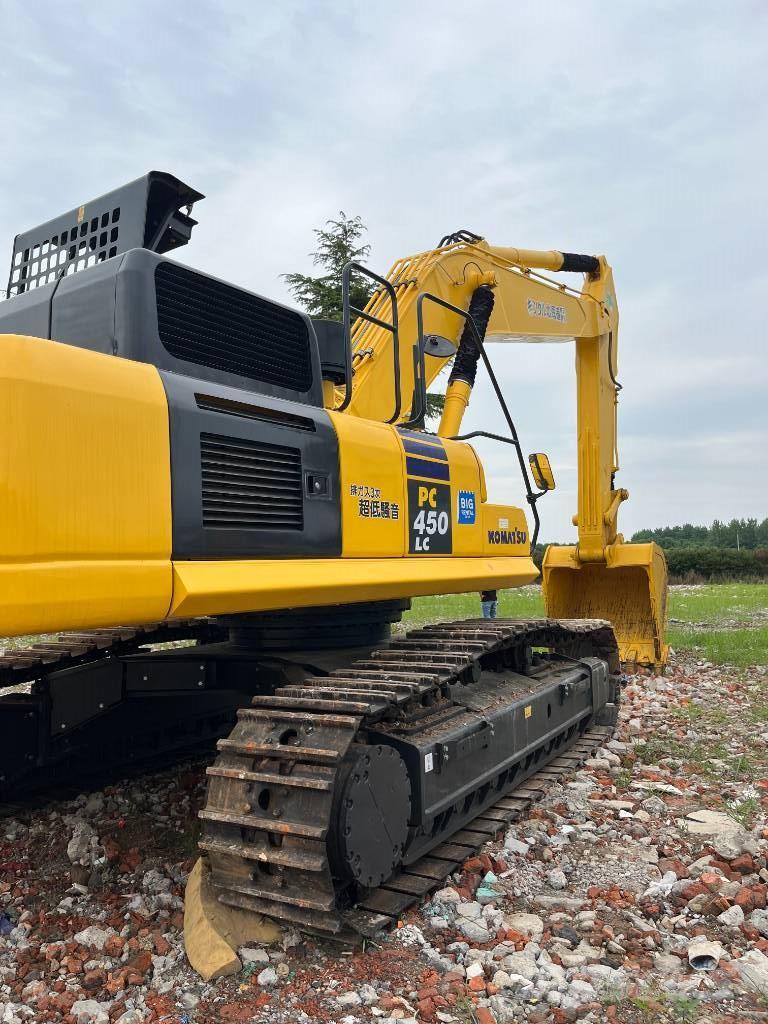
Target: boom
526,306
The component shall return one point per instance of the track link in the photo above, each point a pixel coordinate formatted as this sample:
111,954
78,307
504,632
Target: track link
277,789
70,650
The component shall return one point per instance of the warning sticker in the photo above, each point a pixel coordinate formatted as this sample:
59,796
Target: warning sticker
429,763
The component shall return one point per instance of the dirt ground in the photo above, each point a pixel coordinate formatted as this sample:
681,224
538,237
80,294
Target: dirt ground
589,909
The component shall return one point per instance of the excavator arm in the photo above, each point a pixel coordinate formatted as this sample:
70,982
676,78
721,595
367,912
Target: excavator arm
511,298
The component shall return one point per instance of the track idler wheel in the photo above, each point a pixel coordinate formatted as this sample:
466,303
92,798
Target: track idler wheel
373,811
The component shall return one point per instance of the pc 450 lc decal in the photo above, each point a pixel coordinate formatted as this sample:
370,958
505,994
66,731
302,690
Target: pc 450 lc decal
429,518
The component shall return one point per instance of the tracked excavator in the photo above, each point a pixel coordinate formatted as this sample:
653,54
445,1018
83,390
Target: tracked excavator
213,508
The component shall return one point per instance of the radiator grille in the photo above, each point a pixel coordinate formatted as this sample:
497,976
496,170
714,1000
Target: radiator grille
213,324
249,485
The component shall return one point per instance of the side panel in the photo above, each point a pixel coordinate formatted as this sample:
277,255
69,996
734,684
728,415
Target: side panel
372,492
85,493
253,476
224,588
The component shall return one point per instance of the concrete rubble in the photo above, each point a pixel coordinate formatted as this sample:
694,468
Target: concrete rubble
590,908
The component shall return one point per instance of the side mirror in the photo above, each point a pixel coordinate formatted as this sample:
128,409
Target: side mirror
542,471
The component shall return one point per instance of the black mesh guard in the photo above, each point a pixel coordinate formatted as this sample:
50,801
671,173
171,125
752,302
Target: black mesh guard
144,214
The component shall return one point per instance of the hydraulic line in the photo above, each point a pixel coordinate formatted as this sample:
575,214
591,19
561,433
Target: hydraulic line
464,370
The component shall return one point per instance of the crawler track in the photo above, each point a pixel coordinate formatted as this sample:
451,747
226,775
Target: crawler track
69,650
280,824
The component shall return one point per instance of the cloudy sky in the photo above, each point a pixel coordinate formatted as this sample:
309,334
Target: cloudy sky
638,130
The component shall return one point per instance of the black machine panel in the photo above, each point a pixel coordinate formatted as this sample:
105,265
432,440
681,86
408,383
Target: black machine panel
252,476
207,322
144,214
145,307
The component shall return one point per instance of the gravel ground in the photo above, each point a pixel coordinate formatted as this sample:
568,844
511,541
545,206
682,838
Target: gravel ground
588,909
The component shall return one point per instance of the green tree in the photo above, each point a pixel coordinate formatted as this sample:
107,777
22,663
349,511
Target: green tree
340,242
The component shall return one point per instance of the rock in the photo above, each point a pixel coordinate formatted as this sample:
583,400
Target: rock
733,917
474,931
83,847
502,980
475,970
470,909
521,965
753,967
347,1000
572,903
731,845
582,991
608,981
668,964
132,1017
654,805
95,937
565,931
759,920
710,824
94,804
369,995
556,879
512,845
447,895
527,924
484,895
88,1011
253,956
155,883
267,977
190,1000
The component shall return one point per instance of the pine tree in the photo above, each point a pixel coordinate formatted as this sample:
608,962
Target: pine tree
339,243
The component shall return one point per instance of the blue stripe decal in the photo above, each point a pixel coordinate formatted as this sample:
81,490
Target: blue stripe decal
430,470
419,435
414,448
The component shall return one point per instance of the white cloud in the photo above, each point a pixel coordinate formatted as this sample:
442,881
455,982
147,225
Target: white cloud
634,130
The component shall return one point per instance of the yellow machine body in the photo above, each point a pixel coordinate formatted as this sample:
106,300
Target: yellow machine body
86,510
601,576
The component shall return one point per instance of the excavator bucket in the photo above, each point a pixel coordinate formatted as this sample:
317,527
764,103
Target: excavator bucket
629,590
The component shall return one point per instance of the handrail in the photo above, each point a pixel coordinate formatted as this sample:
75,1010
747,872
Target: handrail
393,328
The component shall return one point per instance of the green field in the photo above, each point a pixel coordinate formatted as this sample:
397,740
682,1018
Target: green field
726,623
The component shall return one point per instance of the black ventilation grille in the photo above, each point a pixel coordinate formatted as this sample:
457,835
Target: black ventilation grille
213,324
248,485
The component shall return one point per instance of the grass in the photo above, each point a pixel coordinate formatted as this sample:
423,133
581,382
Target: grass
740,610
526,601
739,647
719,602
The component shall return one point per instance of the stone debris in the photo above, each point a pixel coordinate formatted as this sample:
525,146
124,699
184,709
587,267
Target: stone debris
640,881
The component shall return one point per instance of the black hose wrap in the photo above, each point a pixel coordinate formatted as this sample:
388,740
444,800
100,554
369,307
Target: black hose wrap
468,354
578,264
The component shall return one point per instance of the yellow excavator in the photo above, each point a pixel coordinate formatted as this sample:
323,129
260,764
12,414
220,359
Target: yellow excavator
184,460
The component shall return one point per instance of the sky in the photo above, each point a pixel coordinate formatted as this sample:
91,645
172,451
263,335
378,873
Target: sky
635,130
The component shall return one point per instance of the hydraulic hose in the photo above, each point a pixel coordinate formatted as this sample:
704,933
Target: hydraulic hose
464,368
